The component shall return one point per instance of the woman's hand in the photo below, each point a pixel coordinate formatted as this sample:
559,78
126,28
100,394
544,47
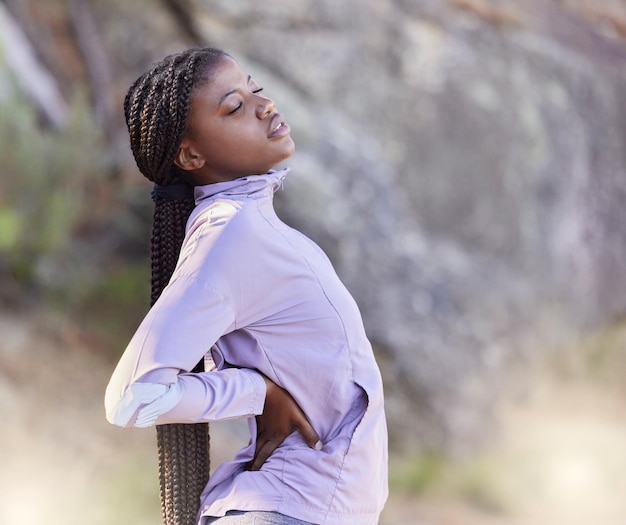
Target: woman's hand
281,416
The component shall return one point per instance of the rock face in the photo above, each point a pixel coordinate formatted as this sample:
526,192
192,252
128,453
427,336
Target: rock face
462,162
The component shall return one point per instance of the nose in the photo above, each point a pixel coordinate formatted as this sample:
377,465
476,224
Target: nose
266,107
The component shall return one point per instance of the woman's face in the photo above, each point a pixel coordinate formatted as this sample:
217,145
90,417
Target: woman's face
233,130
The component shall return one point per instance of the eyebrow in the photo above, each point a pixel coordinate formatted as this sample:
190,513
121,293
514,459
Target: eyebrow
231,92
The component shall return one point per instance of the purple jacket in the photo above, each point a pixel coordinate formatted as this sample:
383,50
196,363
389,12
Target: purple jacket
260,296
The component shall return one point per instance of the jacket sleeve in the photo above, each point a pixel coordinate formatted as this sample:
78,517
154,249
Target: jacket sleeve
151,383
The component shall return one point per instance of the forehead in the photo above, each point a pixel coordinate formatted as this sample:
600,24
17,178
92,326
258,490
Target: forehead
226,77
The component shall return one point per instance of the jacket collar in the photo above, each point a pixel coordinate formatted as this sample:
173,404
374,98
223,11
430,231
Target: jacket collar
250,186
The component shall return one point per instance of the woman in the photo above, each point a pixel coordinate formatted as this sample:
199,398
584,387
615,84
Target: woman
286,337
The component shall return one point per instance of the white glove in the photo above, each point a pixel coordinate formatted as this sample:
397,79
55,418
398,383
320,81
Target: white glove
148,401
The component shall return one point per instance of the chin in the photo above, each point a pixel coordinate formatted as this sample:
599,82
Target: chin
290,151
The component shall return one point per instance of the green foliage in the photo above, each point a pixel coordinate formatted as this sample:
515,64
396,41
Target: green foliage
73,239
475,481
115,305
479,483
45,176
418,475
605,351
597,356
9,229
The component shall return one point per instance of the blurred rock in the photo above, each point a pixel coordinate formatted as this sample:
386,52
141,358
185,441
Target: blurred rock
464,165
462,162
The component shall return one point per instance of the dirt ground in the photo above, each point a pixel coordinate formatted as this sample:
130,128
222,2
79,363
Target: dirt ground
560,458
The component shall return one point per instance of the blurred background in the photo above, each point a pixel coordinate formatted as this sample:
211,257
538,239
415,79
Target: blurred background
462,162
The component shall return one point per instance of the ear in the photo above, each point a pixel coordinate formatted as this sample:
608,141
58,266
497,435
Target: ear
187,157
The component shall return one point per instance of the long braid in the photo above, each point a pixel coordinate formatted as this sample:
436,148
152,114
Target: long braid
168,231
156,109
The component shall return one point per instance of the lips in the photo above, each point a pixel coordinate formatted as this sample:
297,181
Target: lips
278,127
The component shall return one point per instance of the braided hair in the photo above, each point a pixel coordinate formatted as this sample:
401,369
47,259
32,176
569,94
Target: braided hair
156,108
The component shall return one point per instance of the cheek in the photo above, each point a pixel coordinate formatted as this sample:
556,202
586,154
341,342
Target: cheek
230,136
229,149
219,143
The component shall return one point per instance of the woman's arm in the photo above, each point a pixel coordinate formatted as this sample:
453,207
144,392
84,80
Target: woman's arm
193,398
151,384
179,330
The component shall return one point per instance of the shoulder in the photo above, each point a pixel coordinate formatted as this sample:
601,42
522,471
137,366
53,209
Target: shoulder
219,233
219,219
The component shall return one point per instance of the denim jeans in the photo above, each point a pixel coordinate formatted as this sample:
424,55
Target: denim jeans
236,517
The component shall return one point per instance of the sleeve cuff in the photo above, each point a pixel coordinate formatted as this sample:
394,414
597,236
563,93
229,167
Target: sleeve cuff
257,399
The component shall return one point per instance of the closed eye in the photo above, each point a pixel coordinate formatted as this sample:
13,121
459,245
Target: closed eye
234,110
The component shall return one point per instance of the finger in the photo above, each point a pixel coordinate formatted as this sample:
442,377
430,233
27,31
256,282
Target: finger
263,452
308,433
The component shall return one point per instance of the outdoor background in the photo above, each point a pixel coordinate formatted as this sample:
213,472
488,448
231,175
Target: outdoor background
462,162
